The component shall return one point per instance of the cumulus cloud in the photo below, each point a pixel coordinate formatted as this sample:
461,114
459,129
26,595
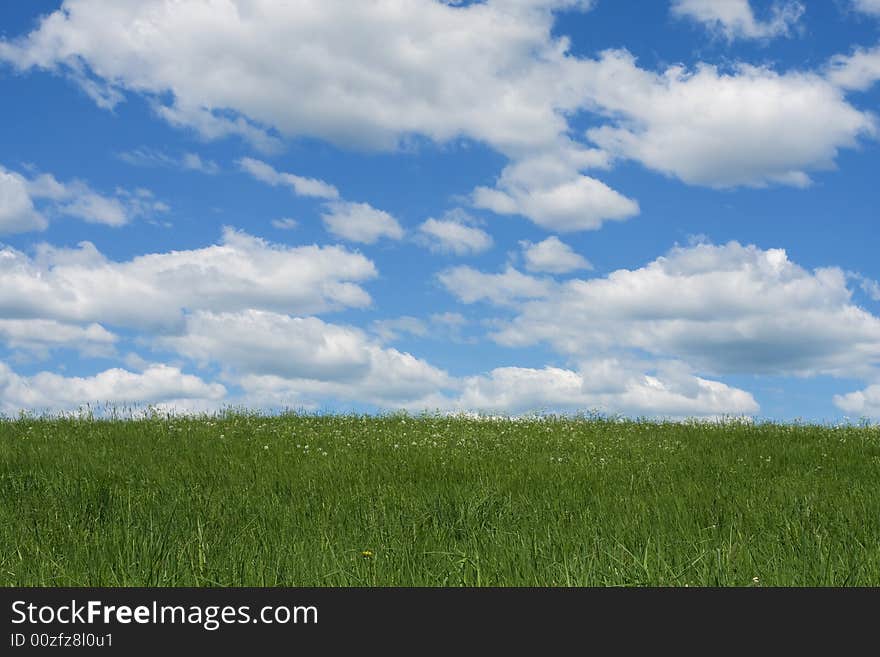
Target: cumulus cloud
20,196
723,309
291,361
38,336
360,222
490,71
17,211
752,126
858,71
735,19
470,285
609,385
296,359
862,403
154,290
552,256
549,189
454,233
301,186
54,392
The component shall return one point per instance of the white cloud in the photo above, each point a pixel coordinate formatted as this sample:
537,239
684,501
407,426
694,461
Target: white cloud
582,203
288,361
301,186
723,309
735,19
490,71
81,285
871,288
356,222
294,360
149,157
54,392
470,285
360,222
862,403
553,257
17,211
39,335
548,189
608,385
194,162
857,71
20,196
452,234
752,126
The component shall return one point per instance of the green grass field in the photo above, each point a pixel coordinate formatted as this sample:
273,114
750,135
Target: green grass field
300,500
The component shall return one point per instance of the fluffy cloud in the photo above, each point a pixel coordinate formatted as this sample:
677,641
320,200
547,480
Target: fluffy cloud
17,211
313,68
857,71
549,189
553,257
301,186
862,403
723,309
605,385
490,71
54,392
19,197
293,359
510,286
279,360
360,222
40,335
734,19
582,203
452,234
152,291
752,126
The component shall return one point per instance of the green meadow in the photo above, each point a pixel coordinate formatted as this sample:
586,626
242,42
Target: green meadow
242,499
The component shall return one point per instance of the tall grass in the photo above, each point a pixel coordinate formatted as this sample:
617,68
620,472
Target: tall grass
303,500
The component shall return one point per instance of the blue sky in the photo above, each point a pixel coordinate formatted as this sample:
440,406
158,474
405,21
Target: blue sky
655,209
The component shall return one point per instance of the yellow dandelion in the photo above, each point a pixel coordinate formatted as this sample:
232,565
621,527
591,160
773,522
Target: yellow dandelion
367,554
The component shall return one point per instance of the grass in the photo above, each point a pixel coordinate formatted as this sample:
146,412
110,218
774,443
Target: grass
299,500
